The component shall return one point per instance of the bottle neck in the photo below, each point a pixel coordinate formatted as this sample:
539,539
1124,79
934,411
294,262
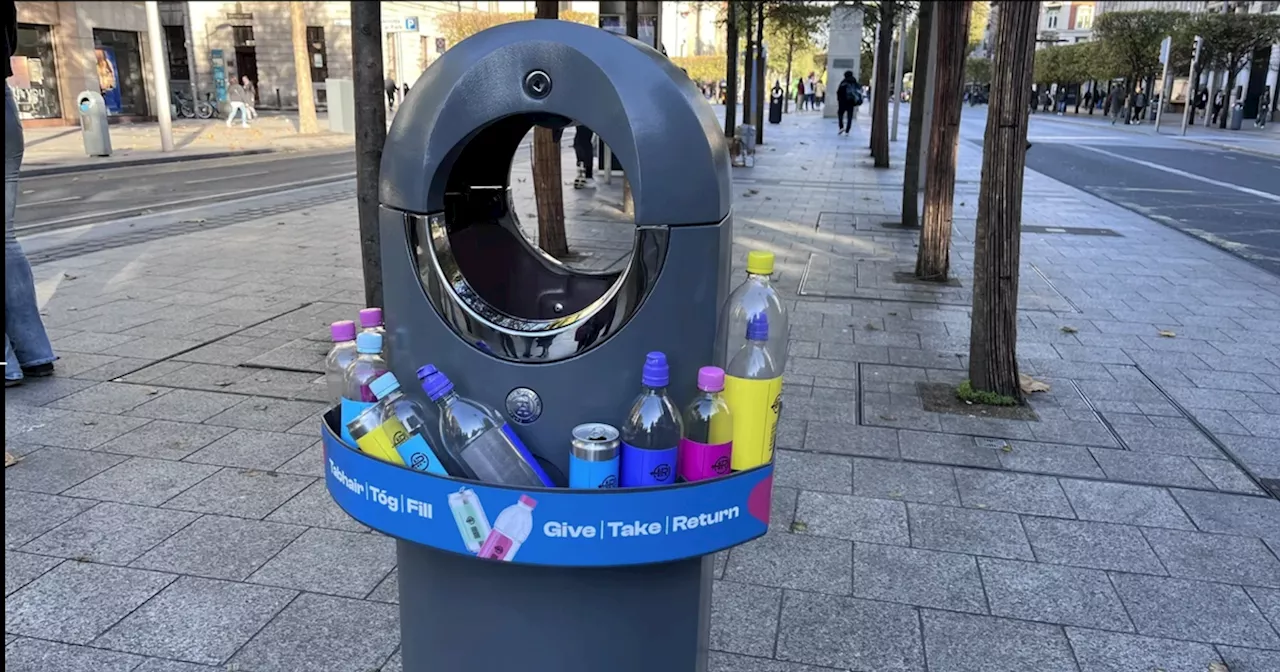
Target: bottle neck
759,277
448,399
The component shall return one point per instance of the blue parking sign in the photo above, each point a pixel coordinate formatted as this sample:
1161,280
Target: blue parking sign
411,23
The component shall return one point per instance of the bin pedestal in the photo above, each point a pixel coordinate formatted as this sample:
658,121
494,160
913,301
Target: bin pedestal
460,614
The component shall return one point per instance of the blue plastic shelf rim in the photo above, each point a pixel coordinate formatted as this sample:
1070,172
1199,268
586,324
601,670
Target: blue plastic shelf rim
564,527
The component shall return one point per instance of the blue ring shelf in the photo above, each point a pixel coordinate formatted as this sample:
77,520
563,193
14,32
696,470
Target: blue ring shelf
571,527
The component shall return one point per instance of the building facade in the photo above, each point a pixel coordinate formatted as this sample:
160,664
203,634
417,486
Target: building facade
1065,23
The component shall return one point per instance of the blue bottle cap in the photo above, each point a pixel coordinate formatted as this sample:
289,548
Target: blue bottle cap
758,327
656,372
434,383
384,385
369,343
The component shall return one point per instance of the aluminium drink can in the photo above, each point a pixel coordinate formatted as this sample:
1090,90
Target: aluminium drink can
593,460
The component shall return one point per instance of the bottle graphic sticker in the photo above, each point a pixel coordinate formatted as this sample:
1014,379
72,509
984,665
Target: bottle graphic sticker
473,524
753,390
510,531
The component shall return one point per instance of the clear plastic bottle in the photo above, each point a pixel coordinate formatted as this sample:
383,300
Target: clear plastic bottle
367,366
510,530
753,390
478,439
339,358
707,447
405,424
755,296
371,321
651,435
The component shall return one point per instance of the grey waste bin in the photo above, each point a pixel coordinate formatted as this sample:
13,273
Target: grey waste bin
93,123
618,579
1237,117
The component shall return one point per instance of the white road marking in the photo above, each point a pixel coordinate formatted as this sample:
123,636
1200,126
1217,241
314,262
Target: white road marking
1183,173
223,178
1151,190
49,202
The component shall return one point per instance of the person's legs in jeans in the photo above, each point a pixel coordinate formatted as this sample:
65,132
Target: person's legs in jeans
583,151
844,117
235,107
26,345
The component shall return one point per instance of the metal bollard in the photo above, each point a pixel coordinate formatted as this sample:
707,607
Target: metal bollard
93,123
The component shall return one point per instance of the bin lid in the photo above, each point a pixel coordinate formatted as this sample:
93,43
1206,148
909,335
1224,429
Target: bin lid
651,115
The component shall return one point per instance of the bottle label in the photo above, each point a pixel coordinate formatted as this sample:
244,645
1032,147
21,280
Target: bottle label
417,455
700,461
498,546
351,409
592,475
754,406
381,441
647,466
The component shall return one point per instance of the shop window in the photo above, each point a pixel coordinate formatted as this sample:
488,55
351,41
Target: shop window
175,39
35,79
120,73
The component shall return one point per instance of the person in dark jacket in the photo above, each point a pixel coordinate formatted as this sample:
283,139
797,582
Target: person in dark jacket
389,85
848,98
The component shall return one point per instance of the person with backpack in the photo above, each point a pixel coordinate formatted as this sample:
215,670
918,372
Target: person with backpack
848,98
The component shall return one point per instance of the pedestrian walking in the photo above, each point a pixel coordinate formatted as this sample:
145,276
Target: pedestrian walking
1219,102
236,97
811,91
250,97
821,94
800,98
1115,104
848,98
1062,101
1139,106
584,151
27,351
1202,99
389,85
1264,108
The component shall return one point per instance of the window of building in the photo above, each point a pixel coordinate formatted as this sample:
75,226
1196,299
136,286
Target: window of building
35,79
175,39
1084,18
120,74
1051,18
242,35
316,54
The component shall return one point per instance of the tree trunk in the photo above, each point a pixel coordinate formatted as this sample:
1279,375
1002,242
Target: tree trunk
915,123
933,260
786,84
371,135
302,63
697,29
880,111
632,19
748,64
548,190
761,84
993,334
731,70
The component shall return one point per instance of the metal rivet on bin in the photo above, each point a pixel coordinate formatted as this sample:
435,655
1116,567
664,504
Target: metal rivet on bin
537,84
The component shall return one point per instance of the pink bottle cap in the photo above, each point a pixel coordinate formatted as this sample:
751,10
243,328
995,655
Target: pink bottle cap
711,379
528,501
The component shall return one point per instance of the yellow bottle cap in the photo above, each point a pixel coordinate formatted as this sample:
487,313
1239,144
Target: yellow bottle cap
760,262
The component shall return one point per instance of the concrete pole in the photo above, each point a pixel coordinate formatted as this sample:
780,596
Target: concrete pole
897,78
160,71
1273,73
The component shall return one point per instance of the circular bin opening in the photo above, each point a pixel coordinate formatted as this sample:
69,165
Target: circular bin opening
519,287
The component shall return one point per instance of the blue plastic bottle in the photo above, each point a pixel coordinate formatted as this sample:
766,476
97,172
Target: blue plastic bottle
651,435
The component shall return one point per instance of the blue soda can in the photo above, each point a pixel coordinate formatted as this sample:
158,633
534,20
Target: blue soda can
593,461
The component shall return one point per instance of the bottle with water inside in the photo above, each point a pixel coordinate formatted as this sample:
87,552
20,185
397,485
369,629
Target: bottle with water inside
755,296
651,435
363,370
339,358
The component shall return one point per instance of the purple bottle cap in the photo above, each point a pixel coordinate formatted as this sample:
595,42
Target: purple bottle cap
434,383
656,372
711,379
343,331
370,317
758,327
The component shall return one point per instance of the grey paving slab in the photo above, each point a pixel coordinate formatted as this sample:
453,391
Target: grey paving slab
110,533
1188,442
966,642
314,507
1268,600
266,413
187,406
300,638
853,518
945,528
252,449
164,439
849,633
793,561
310,462
28,515
388,589
732,662
1233,514
22,568
813,471
1099,651
1053,594
917,577
220,547
1240,659
945,449
35,655
40,391
1123,503
1194,610
142,481
1085,543
1135,467
163,665
852,440
197,620
1259,424
1017,493
909,481
744,618
331,561
247,493
1050,458
81,430
109,398
77,601
1215,557
52,470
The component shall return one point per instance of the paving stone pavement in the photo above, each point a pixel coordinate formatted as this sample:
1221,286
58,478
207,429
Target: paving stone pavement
168,511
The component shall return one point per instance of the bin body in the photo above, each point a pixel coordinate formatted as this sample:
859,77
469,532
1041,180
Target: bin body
775,106
1237,117
93,124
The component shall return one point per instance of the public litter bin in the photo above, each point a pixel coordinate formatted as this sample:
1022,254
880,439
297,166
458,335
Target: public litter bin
93,123
775,105
1237,117
607,579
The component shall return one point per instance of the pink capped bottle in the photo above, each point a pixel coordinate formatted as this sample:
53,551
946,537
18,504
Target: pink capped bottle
707,447
510,531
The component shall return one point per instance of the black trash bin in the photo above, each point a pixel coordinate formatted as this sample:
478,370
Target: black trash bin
775,105
616,580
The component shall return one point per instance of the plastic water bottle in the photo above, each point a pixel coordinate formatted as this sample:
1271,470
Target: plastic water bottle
339,358
707,446
510,530
371,321
477,438
469,514
753,390
755,296
651,435
364,369
405,424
